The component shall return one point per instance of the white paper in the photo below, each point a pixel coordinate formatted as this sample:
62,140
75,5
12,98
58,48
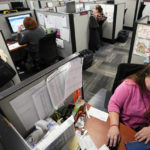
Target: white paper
86,143
60,22
42,103
49,4
24,107
104,147
4,6
56,86
47,25
74,77
41,19
65,34
60,43
32,5
101,115
51,21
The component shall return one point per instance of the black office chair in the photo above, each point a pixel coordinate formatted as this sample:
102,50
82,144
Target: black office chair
48,50
123,71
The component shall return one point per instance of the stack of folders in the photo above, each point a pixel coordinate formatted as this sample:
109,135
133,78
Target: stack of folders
137,145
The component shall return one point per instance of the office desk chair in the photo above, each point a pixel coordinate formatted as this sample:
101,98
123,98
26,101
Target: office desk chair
123,71
48,49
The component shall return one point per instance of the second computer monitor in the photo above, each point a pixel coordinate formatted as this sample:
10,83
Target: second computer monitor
15,21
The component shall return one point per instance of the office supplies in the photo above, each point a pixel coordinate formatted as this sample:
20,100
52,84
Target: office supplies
135,145
15,21
98,114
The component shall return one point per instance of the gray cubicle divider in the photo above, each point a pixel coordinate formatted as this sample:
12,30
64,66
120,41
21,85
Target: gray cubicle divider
69,46
4,24
143,20
33,4
140,45
81,30
146,10
14,140
131,14
4,47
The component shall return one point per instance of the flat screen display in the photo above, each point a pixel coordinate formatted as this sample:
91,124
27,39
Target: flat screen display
15,21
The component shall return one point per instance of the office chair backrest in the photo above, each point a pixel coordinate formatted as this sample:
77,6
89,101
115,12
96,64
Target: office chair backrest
48,49
123,71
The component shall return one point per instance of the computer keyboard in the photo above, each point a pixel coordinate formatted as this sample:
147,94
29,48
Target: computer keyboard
13,46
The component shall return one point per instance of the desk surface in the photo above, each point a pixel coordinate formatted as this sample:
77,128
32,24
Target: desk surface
15,46
98,130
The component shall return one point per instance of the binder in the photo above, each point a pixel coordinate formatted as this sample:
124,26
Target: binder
135,145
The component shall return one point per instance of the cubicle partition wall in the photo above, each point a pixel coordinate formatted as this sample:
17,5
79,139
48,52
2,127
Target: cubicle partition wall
61,22
81,30
19,105
140,44
114,22
131,14
4,48
4,24
34,4
146,10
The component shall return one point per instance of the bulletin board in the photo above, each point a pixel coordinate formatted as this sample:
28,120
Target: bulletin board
142,40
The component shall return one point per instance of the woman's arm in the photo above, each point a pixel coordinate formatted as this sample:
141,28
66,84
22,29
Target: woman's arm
113,136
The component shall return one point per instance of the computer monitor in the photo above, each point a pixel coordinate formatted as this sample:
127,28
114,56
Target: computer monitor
16,5
15,21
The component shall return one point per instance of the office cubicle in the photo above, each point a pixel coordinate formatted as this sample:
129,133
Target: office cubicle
22,95
146,10
33,4
4,48
114,22
140,43
131,14
4,24
61,22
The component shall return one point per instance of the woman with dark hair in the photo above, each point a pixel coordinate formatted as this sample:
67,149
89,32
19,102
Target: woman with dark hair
130,104
31,36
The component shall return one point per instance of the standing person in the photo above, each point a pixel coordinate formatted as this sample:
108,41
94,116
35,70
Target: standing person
130,104
100,17
31,36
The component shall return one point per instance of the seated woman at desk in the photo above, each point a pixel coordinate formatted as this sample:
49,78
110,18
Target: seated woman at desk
100,17
31,36
130,104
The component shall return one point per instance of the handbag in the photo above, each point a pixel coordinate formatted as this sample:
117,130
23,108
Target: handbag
6,72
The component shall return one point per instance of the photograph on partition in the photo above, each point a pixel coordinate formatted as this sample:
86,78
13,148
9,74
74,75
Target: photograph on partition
143,31
142,47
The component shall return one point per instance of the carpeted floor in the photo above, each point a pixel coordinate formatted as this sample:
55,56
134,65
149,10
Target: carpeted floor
103,70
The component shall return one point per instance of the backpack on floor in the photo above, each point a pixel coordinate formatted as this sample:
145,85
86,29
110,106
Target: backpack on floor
88,58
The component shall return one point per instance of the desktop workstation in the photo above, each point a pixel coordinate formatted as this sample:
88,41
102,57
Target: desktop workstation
97,129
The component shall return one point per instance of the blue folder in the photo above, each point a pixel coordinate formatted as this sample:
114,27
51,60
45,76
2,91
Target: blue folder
137,145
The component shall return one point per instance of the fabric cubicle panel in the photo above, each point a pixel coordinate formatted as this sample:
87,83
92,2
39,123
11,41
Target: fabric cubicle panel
4,25
119,18
4,47
143,20
131,13
81,26
42,16
146,10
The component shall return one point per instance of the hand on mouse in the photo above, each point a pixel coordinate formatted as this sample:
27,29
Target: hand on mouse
113,136
20,28
143,134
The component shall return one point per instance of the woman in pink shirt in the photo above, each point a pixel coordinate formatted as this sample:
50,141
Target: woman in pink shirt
130,104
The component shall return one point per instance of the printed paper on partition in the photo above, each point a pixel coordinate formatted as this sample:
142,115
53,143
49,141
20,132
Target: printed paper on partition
143,31
142,47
